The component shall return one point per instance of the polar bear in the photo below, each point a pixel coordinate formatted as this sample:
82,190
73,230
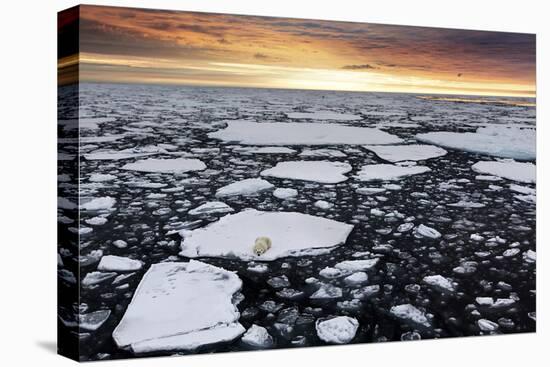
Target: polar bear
261,245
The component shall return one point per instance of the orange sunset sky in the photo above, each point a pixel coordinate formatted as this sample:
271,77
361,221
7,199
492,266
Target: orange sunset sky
124,45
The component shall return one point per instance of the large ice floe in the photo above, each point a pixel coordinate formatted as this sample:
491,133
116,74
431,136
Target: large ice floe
317,171
248,186
371,172
499,141
180,306
176,165
291,133
512,170
412,152
291,234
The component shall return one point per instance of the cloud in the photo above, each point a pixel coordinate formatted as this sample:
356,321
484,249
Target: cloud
360,67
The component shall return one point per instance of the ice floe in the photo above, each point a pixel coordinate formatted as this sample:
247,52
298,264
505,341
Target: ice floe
317,171
248,186
412,152
331,153
291,133
285,193
180,306
118,263
439,282
176,165
291,234
499,141
425,231
338,330
324,115
101,203
409,313
512,170
211,208
257,337
357,265
371,172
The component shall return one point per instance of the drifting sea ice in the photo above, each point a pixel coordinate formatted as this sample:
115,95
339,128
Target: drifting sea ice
316,171
248,186
180,306
285,193
102,203
372,172
210,208
338,330
118,263
413,152
409,313
324,115
331,153
289,133
291,234
439,282
512,170
257,337
425,231
176,165
495,140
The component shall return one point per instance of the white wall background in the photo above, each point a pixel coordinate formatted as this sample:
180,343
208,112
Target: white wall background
28,181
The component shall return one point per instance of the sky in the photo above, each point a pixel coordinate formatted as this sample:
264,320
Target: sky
125,45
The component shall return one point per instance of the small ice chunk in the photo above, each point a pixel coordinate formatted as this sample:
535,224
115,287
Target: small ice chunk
211,208
357,265
439,282
118,263
257,337
322,204
93,320
100,177
357,278
338,330
120,244
285,193
426,231
372,172
316,171
467,204
96,221
101,203
409,313
96,277
327,291
249,186
486,325
331,153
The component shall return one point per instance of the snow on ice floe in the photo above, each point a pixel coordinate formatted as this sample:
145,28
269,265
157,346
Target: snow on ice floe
495,140
324,115
249,186
291,133
176,165
211,208
180,306
412,152
118,263
291,234
512,170
371,172
316,171
338,330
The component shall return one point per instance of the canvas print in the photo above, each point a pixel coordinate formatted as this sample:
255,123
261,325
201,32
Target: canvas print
236,183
